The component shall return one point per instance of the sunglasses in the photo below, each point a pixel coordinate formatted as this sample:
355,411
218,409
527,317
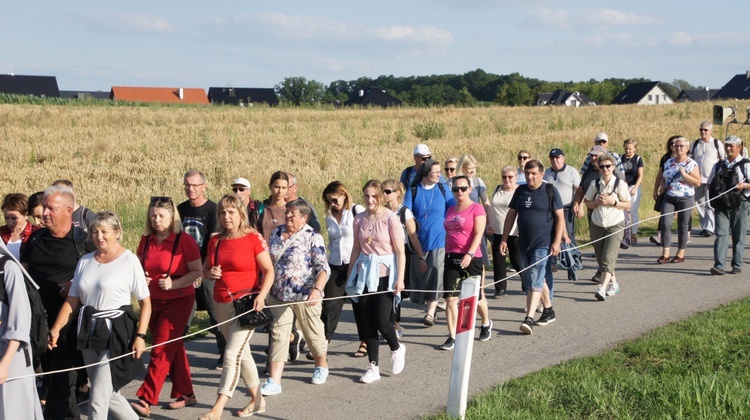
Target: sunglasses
424,158
161,200
388,192
605,166
239,189
508,176
462,188
704,129
332,200
523,157
447,169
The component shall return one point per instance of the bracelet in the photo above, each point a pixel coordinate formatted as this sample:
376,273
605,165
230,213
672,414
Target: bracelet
141,335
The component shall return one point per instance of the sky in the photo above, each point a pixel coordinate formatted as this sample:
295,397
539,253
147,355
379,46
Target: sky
94,45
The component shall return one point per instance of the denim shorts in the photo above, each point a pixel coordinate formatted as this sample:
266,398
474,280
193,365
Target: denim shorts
533,278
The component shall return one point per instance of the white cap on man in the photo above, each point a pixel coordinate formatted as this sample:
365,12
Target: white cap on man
422,150
241,181
601,137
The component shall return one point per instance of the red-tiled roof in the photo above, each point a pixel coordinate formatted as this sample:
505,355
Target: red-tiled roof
159,94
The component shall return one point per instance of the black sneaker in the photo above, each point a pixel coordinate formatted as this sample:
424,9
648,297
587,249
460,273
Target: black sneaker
736,270
527,326
717,271
499,293
294,346
449,344
485,332
548,316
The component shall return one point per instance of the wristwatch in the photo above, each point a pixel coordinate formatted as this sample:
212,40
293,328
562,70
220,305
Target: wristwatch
141,335
322,293
471,254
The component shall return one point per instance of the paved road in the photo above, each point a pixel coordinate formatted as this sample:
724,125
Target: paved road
651,296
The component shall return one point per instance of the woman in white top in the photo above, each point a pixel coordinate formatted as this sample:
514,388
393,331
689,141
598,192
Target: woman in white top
103,285
340,212
498,209
607,196
394,201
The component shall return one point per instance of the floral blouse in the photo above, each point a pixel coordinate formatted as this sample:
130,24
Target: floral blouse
295,271
678,187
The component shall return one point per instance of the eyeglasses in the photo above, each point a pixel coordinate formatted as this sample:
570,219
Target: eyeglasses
435,172
193,185
705,129
605,166
508,176
239,189
523,157
334,200
447,169
679,146
462,188
161,200
388,192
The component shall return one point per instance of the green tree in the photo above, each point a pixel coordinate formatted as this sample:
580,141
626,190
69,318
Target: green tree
515,93
298,90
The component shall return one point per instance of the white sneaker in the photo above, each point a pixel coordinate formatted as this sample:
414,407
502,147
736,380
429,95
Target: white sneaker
613,289
372,374
398,359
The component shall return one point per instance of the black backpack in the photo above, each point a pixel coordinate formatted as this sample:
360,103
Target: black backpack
39,328
724,180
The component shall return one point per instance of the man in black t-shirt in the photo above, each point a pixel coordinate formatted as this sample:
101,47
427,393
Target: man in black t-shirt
50,256
198,216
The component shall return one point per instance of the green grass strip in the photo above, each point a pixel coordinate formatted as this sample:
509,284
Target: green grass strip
698,368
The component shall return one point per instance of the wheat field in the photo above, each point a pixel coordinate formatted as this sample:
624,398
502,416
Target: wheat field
120,156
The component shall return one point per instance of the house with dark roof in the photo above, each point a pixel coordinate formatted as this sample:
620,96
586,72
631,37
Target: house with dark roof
737,88
242,96
373,97
159,94
644,93
41,86
562,97
84,94
696,95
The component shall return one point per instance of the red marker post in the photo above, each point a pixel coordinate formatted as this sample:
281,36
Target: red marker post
467,311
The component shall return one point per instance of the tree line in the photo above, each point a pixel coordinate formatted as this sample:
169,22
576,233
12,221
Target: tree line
473,88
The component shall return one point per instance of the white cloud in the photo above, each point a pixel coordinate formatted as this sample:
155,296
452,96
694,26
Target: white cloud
623,40
318,27
680,39
712,40
140,22
590,18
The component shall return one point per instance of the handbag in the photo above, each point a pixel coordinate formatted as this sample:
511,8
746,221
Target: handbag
244,306
249,318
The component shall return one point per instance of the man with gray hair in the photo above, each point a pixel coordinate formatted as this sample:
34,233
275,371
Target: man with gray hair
50,256
707,152
292,195
566,179
731,209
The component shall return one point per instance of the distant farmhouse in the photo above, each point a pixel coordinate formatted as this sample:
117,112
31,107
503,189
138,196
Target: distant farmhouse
562,97
84,94
41,86
159,94
737,88
696,95
242,96
644,93
373,97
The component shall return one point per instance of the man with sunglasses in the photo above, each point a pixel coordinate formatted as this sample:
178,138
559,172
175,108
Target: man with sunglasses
707,152
241,187
421,154
566,180
602,140
198,215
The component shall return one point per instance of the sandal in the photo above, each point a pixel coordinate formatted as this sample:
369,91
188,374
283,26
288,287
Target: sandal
142,408
362,351
182,402
429,320
208,416
250,410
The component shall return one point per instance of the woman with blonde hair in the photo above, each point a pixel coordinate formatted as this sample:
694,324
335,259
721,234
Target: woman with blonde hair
171,263
499,206
237,260
104,283
450,167
378,266
394,198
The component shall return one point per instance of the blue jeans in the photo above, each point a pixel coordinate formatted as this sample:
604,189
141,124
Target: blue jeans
734,223
534,278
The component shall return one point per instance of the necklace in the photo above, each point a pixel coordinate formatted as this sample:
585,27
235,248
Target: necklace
425,205
371,220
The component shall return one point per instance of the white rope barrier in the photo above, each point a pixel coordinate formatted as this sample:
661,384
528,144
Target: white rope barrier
318,301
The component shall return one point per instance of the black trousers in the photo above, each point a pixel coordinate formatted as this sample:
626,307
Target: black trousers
331,311
375,312
61,398
500,267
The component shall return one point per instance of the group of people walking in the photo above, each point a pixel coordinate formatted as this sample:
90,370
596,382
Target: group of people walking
423,234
